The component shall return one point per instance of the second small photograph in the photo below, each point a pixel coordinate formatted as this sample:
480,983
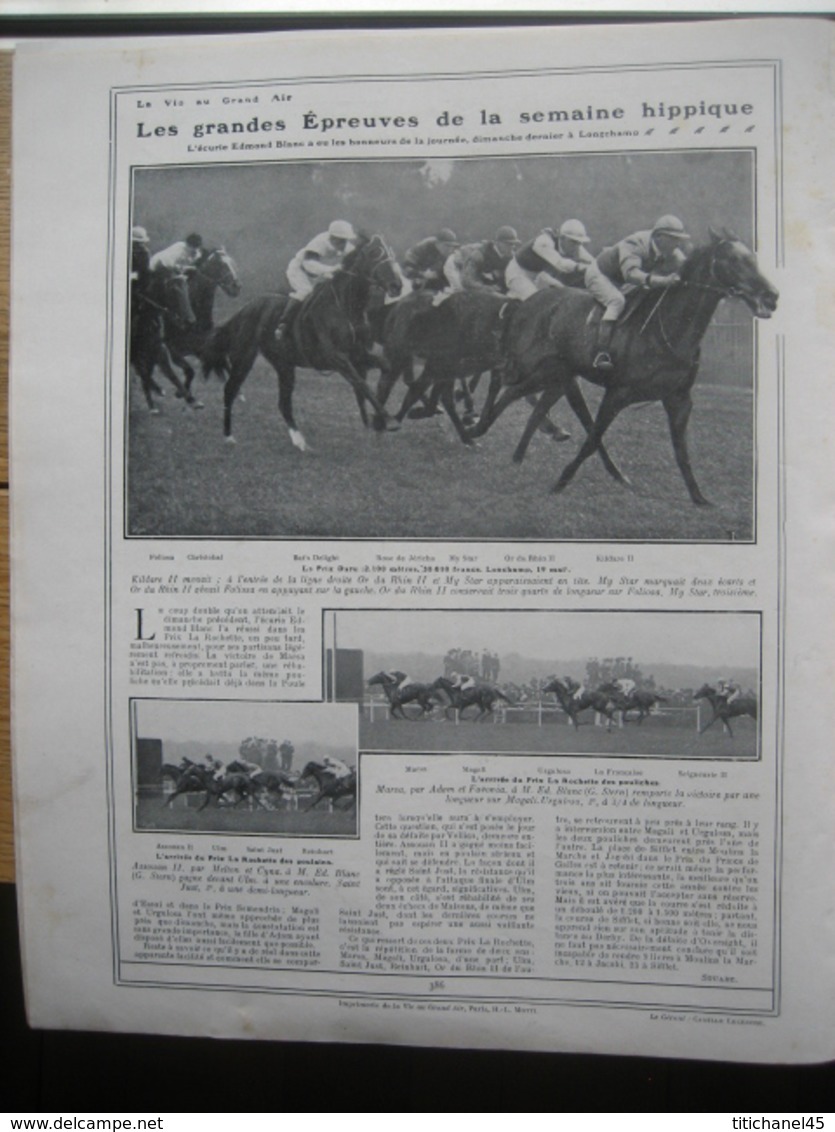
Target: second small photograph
650,684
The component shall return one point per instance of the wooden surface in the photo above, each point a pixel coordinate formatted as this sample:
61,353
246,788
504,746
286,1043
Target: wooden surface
6,838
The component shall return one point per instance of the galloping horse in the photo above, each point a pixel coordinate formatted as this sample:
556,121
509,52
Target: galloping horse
194,779
599,701
742,705
397,696
165,301
328,333
213,269
642,701
656,348
459,339
483,696
328,785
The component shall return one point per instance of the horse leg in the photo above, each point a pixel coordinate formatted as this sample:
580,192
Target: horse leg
679,407
536,420
710,723
610,406
164,361
241,365
575,398
447,391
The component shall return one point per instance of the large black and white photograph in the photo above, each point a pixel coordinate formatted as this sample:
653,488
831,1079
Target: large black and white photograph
223,766
681,685
528,347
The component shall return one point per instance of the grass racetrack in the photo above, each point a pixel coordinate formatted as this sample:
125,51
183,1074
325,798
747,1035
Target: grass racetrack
652,739
421,482
184,815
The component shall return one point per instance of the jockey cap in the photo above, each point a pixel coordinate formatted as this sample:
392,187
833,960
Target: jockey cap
574,230
194,240
670,226
139,235
507,235
446,236
341,230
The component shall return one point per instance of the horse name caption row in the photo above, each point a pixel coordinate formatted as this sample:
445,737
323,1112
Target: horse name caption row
214,646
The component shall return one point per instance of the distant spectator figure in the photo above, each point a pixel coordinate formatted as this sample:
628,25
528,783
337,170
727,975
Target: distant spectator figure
285,753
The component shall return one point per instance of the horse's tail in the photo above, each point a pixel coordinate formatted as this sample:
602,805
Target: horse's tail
257,318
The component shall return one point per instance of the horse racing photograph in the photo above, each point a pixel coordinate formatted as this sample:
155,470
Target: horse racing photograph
543,347
222,766
653,685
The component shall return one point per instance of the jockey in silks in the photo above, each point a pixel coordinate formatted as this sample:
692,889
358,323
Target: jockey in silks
462,681
644,259
482,267
574,689
336,767
250,768
423,264
317,261
181,257
625,686
399,679
728,690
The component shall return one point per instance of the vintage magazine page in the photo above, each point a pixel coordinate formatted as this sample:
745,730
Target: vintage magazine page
421,535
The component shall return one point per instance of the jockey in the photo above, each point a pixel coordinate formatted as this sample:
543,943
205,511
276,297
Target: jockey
249,767
552,259
644,259
336,767
423,264
625,686
462,681
399,679
180,257
481,267
728,690
574,689
317,261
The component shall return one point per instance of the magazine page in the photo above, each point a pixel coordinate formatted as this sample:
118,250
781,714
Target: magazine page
421,513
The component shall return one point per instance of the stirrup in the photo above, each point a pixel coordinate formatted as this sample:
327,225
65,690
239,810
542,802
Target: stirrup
603,361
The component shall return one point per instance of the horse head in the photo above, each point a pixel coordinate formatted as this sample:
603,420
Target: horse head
733,267
219,267
176,298
704,693
373,260
381,678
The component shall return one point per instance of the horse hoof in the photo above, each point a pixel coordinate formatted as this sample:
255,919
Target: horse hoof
196,405
391,425
298,440
559,435
230,440
155,412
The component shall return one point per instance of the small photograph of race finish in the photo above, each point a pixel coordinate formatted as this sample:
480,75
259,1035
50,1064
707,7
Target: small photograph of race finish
648,684
527,347
222,766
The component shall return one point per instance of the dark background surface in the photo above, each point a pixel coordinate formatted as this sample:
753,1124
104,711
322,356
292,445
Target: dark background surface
74,1072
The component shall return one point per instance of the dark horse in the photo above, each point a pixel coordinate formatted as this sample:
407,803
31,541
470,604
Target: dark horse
397,695
214,269
266,783
483,696
642,701
328,333
194,779
656,348
600,701
328,785
164,302
459,339
742,705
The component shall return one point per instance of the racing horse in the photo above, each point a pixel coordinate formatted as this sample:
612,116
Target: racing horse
655,348
164,302
460,339
328,333
194,779
328,785
642,701
271,784
483,696
397,695
742,705
214,269
599,701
